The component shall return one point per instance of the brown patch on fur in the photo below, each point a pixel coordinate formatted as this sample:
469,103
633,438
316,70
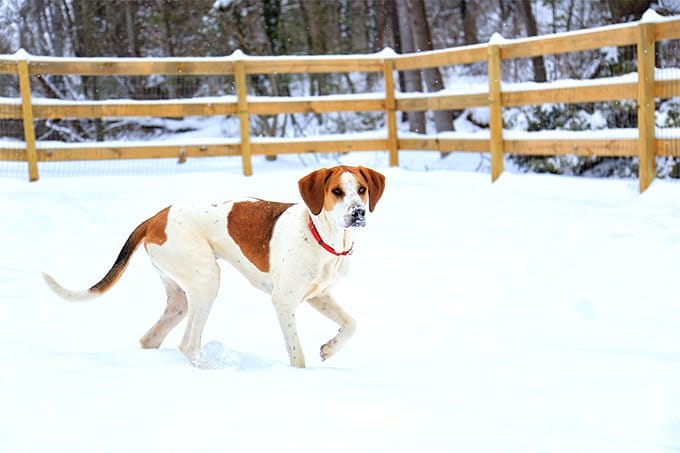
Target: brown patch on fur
376,185
316,188
251,225
333,181
155,228
313,189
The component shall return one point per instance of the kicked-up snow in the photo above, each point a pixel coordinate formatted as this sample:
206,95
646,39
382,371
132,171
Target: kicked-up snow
535,314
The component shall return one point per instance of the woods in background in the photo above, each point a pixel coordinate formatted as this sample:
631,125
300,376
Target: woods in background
167,28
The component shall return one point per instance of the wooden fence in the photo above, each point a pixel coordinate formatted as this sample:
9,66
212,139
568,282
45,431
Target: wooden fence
642,34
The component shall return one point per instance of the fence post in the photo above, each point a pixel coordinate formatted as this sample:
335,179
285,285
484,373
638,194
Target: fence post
27,115
646,106
495,107
391,110
243,118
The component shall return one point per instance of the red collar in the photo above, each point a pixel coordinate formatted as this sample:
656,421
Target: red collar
327,247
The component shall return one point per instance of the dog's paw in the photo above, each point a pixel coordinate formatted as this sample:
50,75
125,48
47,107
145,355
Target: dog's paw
328,349
199,360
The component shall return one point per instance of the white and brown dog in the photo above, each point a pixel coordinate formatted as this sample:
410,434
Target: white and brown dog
294,252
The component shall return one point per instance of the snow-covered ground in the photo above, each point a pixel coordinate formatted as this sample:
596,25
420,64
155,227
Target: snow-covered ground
536,314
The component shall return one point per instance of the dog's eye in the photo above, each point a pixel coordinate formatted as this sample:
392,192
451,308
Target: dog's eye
337,192
362,190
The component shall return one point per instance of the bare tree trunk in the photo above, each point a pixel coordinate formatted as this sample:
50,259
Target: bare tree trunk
469,23
412,81
88,37
314,84
532,30
422,40
371,24
168,46
392,12
136,83
133,45
279,84
386,20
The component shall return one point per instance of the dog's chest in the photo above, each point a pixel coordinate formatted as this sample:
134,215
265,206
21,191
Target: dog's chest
326,276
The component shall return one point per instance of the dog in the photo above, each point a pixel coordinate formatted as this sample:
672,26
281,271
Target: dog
294,252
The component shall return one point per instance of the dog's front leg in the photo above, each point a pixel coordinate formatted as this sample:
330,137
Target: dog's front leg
327,306
286,314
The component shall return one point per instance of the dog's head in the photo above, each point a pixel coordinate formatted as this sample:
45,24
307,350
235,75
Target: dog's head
343,193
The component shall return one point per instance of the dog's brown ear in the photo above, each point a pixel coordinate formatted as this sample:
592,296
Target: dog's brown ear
313,189
376,185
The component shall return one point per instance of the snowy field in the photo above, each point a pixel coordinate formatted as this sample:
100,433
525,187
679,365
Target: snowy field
536,314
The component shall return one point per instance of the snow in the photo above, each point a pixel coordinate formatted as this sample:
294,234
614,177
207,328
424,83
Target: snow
222,4
538,313
10,101
387,52
229,99
10,143
320,98
569,83
651,16
463,85
659,74
435,52
367,135
21,54
511,134
577,33
497,39
198,141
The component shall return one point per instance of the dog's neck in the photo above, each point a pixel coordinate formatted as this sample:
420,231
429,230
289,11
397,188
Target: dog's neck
340,239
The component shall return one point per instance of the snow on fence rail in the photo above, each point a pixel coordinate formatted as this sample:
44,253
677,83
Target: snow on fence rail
644,89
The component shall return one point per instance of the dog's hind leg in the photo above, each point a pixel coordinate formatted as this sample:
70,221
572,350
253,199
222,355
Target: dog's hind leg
201,292
175,311
328,307
192,265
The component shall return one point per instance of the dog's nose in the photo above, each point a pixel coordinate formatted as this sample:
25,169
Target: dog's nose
358,213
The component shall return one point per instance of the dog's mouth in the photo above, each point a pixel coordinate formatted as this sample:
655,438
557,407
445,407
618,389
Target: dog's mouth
355,223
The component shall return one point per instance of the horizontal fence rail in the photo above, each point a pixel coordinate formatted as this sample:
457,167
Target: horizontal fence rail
495,96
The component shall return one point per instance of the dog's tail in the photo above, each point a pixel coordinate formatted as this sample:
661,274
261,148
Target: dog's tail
111,277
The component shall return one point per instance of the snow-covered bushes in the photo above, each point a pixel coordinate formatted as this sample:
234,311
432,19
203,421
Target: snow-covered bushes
583,117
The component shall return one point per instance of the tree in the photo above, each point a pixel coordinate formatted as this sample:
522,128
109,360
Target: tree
469,22
272,18
422,40
412,80
532,30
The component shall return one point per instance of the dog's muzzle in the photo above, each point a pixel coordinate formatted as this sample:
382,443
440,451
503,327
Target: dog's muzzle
357,217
